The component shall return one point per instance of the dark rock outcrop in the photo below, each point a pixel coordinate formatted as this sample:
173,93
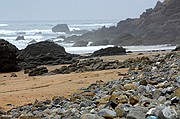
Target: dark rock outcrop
61,28
88,65
80,44
44,53
160,25
20,38
124,39
110,51
100,43
8,61
38,71
79,31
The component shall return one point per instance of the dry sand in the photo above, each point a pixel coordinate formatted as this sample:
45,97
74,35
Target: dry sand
20,90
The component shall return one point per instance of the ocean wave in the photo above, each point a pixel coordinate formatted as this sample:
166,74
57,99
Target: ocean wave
93,25
34,31
27,38
74,28
149,47
3,25
84,50
91,49
27,32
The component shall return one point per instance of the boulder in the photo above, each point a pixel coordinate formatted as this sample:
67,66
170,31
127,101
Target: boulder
20,38
110,51
8,61
100,43
80,44
61,28
43,53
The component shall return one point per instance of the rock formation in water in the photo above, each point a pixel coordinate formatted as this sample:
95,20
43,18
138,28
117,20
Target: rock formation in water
20,38
61,28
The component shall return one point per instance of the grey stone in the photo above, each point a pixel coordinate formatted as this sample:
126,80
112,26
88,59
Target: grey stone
167,113
107,113
136,113
91,116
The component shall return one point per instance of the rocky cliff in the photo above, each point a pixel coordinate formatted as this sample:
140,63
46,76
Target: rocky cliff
158,25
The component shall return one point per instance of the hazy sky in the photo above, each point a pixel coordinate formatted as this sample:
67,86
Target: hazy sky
13,10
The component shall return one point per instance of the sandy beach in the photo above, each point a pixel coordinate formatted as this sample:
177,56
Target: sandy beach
20,90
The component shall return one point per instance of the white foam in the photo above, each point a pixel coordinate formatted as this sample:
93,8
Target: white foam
74,29
84,50
149,47
28,32
93,25
91,49
7,32
3,25
58,39
37,37
8,38
34,31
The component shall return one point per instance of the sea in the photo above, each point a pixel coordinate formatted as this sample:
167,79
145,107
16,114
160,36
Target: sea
36,31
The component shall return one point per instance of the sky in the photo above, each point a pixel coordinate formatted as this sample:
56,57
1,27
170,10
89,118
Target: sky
23,10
